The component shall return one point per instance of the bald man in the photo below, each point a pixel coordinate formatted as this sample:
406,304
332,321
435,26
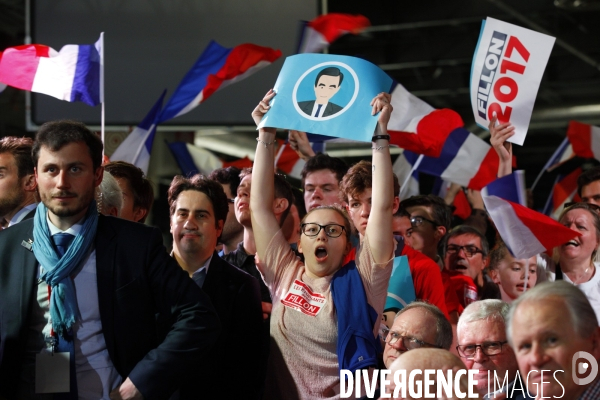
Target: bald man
429,358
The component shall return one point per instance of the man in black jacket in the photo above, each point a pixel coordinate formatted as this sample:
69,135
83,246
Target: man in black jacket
86,289
198,208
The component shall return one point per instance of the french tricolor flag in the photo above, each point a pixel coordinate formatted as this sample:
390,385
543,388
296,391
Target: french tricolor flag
136,148
563,191
465,159
416,126
71,74
510,187
319,33
216,68
526,232
193,159
408,176
288,161
585,139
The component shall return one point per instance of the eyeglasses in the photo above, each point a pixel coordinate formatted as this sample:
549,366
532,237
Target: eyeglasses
468,351
418,221
469,250
594,207
231,200
332,230
408,342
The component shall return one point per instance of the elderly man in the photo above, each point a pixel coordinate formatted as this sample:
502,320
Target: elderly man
483,346
554,329
429,359
198,208
418,325
18,197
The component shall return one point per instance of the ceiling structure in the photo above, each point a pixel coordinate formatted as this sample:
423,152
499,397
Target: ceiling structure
428,47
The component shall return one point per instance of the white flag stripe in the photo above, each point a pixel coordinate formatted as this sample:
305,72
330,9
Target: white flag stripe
514,233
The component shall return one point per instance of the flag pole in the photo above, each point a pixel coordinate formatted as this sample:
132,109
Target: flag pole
414,168
102,112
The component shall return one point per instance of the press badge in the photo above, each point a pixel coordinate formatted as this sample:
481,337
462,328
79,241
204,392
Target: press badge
52,372
301,298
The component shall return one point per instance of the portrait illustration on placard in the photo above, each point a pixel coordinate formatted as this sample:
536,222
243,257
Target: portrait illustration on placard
325,91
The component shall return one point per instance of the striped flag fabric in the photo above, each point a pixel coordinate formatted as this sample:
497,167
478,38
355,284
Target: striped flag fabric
70,74
510,187
465,159
193,159
408,176
416,126
585,139
319,33
216,68
136,148
288,161
564,190
526,232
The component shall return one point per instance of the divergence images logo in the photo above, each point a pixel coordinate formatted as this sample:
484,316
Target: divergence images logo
580,367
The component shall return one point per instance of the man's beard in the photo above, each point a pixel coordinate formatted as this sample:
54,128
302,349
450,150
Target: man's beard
9,204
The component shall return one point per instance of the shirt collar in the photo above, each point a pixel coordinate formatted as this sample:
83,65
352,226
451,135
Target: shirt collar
205,266
18,217
73,230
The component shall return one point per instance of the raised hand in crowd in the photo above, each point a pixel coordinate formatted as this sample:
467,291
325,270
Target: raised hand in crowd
499,135
299,142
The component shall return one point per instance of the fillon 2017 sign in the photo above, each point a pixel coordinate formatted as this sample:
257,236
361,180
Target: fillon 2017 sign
506,73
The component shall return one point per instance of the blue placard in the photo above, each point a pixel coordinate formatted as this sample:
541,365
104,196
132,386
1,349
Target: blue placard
328,95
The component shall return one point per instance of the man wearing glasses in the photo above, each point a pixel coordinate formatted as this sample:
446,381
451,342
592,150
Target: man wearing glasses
418,325
466,255
483,346
430,219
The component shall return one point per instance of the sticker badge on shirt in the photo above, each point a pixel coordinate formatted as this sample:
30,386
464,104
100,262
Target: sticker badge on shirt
302,299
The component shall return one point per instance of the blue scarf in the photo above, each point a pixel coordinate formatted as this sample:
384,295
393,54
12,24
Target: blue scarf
63,301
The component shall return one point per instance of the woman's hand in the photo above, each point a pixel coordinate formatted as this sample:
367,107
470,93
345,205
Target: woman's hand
382,103
262,108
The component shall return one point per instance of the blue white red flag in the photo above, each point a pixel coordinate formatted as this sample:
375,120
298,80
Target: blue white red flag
563,191
136,148
416,126
71,74
319,33
465,159
216,68
526,232
408,176
288,161
193,159
585,139
510,187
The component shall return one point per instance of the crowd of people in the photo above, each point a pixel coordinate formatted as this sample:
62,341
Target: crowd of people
272,293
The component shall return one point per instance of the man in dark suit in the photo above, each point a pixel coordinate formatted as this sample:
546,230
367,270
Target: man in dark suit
198,209
327,84
18,196
93,302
